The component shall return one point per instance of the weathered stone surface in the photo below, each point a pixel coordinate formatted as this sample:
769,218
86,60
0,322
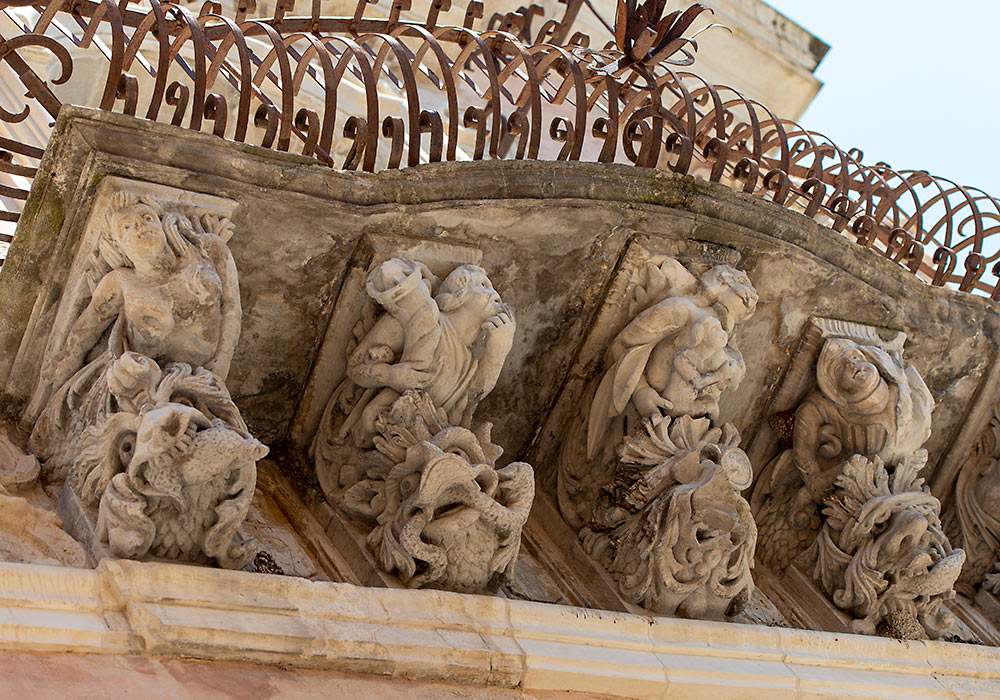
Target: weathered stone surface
645,475
131,406
552,235
30,531
413,637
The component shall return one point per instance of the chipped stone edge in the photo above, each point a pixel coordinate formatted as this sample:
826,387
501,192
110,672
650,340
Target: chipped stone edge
125,607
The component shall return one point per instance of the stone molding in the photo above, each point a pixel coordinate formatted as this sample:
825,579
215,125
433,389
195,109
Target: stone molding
159,609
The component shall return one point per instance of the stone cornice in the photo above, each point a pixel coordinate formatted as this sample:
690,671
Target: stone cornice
180,611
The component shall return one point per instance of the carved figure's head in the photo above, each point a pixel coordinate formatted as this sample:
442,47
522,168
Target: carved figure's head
847,372
468,287
401,285
135,231
731,292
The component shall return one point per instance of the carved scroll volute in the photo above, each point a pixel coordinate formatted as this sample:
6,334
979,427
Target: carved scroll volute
399,434
646,474
844,502
138,419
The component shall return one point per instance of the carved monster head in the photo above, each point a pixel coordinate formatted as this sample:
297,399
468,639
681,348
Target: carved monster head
446,517
882,554
173,465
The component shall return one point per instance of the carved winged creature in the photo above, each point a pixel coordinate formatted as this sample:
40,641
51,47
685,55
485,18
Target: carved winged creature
674,357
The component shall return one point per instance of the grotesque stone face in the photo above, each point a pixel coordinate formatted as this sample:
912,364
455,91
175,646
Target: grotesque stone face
881,554
174,474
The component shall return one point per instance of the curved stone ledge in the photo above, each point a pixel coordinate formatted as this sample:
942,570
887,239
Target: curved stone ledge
168,610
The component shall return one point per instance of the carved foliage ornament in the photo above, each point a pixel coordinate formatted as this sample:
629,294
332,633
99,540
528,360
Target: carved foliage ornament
138,417
397,445
655,487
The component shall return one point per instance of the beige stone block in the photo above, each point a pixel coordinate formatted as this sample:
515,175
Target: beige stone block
586,651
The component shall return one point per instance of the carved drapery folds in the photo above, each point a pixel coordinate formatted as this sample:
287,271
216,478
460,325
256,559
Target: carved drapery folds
845,502
646,474
397,446
136,414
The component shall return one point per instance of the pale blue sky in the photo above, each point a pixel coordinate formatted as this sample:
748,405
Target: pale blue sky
915,83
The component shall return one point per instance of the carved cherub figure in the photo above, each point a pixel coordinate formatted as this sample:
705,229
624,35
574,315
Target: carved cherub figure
655,496
674,357
452,345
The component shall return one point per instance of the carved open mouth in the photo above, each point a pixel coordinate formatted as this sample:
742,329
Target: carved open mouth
448,521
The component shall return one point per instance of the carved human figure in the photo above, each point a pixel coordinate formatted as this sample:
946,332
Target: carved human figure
863,423
452,345
674,357
167,289
649,480
397,447
974,522
136,399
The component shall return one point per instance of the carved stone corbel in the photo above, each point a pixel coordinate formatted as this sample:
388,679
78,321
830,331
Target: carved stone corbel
398,447
844,501
136,416
646,474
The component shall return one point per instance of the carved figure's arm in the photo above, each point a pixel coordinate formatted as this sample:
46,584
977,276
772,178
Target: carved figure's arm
104,306
368,368
491,348
685,367
648,401
231,311
811,432
806,440
731,372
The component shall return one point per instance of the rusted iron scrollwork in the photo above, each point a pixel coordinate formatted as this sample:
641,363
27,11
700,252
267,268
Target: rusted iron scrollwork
372,92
